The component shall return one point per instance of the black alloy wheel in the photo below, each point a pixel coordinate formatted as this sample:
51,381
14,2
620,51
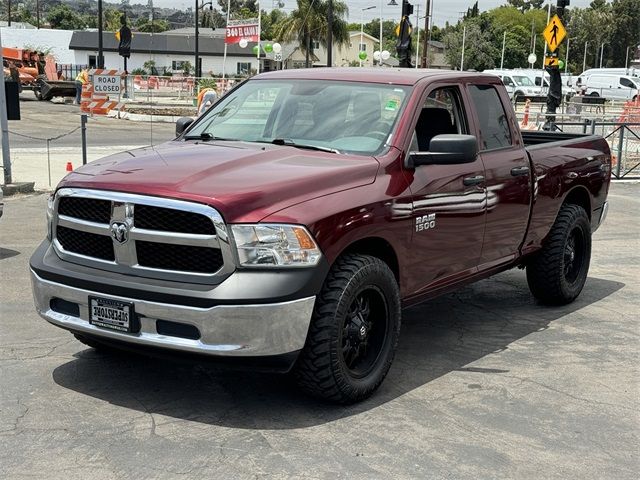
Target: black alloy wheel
364,332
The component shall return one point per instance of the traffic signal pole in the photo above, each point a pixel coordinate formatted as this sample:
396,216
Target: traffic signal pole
403,44
554,95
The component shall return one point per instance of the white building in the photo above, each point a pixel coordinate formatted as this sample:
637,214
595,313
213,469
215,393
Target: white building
55,42
169,50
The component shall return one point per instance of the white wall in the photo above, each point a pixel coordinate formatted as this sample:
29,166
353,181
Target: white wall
57,40
209,64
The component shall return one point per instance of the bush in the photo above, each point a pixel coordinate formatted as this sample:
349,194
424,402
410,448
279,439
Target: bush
138,71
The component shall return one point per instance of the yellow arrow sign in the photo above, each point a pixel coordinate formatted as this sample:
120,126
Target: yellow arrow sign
551,61
554,33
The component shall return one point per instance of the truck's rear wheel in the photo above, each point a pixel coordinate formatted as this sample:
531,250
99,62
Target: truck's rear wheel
354,331
558,272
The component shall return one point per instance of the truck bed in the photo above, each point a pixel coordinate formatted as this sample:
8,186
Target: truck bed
536,138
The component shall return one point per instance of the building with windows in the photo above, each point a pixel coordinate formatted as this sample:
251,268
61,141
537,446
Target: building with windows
168,50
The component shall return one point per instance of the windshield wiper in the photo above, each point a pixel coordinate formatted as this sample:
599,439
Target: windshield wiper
205,136
290,143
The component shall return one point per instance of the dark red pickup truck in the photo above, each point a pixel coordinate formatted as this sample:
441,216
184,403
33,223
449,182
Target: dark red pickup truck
289,225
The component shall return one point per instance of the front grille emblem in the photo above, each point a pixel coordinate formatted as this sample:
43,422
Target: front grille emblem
120,232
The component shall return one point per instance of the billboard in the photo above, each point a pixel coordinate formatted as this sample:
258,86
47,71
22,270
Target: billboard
248,29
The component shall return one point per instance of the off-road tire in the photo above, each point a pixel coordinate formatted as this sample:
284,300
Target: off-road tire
555,275
321,369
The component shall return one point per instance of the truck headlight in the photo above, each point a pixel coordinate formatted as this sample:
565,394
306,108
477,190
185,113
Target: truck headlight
50,207
275,245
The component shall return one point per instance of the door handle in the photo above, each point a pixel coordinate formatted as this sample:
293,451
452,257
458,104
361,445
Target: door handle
519,171
473,180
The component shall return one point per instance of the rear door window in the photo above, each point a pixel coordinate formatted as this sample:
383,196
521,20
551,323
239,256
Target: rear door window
494,123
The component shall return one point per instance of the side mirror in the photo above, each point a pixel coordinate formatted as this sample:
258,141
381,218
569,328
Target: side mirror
447,150
182,124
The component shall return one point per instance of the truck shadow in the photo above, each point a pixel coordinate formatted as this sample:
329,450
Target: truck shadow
438,337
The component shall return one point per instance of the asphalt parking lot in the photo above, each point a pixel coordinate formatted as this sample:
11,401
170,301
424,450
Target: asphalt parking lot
486,384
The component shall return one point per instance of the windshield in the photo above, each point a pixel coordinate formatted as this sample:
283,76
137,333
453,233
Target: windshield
523,81
344,116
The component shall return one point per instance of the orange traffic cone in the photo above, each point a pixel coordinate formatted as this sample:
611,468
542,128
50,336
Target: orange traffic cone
69,167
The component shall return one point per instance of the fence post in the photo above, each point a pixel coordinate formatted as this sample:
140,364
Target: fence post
593,126
83,130
620,147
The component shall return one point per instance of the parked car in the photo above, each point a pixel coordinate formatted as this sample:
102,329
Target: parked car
611,86
518,85
288,226
580,83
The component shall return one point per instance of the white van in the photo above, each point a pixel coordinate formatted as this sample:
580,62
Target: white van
615,87
536,78
581,82
517,85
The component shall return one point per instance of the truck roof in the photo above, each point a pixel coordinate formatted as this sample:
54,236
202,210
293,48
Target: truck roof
398,76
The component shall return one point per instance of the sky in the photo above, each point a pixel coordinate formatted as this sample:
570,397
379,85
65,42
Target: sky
443,10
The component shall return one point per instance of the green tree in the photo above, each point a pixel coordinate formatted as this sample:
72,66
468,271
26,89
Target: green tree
625,31
157,26
591,27
111,20
479,52
525,5
62,17
269,23
308,23
240,8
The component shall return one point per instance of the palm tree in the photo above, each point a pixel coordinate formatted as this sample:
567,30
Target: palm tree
308,23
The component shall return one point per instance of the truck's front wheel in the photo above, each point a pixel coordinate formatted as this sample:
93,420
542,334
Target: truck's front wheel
558,272
354,331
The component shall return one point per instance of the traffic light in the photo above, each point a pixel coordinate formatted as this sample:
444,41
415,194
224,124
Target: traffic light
561,5
407,8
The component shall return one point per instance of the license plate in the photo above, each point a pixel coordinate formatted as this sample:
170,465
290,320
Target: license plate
111,314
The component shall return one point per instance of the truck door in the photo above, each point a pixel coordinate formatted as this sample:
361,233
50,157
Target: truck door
448,200
507,172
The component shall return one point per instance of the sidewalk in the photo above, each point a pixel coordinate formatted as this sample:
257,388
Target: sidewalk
30,164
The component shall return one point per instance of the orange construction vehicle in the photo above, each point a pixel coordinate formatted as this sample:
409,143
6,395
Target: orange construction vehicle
37,72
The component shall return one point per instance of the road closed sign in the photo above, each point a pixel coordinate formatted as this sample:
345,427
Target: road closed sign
106,84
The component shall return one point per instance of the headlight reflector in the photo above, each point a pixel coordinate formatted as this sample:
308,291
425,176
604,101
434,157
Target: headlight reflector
275,245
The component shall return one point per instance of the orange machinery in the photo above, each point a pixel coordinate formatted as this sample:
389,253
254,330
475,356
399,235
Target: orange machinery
37,72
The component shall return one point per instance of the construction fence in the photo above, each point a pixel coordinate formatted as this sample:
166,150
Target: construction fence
617,122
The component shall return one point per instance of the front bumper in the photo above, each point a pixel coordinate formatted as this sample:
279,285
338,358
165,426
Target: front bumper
252,330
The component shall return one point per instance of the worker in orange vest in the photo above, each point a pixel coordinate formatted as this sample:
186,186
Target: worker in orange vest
81,79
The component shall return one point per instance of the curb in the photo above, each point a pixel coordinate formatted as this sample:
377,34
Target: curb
18,187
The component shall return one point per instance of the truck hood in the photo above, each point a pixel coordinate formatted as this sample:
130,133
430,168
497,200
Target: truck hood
245,181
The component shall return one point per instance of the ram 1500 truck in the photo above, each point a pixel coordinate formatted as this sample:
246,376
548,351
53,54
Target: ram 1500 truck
288,226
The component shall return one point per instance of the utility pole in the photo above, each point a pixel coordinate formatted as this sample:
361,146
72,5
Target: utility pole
38,14
197,65
4,126
100,47
8,13
425,42
330,34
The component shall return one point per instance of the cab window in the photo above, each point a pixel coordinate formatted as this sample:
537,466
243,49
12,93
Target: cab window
441,113
493,120
625,82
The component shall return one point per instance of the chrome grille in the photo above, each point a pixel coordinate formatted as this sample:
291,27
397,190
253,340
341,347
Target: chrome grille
85,243
91,209
159,238
171,220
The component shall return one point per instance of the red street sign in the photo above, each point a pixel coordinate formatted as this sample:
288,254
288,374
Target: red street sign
239,29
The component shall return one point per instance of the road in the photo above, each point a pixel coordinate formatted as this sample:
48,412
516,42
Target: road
486,384
53,119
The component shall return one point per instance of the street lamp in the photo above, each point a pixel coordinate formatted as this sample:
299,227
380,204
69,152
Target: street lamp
601,53
198,70
362,10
